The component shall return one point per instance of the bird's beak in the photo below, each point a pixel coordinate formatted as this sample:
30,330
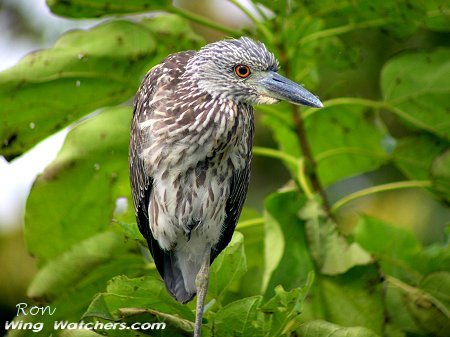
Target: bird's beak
279,87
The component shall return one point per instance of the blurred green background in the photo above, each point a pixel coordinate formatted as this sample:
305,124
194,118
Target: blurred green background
347,66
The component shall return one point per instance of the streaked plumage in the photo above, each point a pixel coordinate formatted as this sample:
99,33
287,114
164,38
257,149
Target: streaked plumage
190,151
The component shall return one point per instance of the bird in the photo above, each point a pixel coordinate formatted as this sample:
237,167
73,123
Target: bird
190,154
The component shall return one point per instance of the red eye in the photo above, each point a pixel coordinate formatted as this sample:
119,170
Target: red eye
242,70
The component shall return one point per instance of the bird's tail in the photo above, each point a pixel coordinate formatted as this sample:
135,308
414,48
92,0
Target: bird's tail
179,283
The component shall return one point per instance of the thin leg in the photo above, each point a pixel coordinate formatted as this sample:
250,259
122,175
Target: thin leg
201,282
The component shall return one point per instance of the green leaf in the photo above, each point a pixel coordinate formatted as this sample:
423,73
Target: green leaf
400,254
399,17
438,285
173,320
144,292
440,173
281,312
414,155
71,284
98,8
350,299
353,144
329,248
433,258
395,248
428,305
437,16
322,329
131,231
75,196
247,317
84,71
283,132
416,86
238,319
78,333
286,257
227,268
251,225
396,304
75,264
356,144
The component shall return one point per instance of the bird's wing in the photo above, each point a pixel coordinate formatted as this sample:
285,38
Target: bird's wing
235,201
141,181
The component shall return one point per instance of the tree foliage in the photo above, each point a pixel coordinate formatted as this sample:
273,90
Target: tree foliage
289,271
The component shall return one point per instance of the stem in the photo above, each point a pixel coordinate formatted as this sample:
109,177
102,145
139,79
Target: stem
342,30
298,163
402,114
260,11
378,189
203,21
259,25
344,101
310,163
349,150
375,105
401,285
330,9
302,179
250,223
272,153
417,293
178,322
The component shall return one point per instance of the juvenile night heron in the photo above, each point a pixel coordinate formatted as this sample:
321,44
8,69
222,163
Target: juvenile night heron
190,153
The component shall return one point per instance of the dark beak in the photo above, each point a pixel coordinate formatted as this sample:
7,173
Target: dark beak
281,88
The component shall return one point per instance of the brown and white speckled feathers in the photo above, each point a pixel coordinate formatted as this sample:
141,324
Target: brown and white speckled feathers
190,153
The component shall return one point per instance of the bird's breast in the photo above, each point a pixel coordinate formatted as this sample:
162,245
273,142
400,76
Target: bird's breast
192,183
178,141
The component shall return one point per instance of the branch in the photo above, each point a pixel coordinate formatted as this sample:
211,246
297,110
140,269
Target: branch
299,164
273,153
250,223
259,25
309,164
380,188
342,30
203,21
308,112
350,150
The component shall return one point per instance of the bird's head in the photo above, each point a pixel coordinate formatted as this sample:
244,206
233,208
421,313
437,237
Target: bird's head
245,71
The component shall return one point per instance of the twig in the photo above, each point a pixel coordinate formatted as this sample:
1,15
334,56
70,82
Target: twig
380,188
259,25
309,161
203,21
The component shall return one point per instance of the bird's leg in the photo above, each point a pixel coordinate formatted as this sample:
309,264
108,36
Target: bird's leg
201,282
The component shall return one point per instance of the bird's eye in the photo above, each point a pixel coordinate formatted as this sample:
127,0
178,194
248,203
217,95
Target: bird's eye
242,70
